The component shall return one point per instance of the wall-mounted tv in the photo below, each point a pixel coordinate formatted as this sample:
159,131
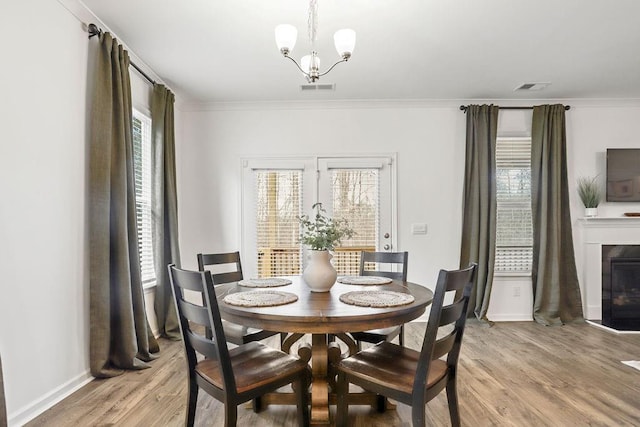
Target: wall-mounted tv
623,175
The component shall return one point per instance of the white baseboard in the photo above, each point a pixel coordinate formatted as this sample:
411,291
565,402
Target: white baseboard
37,407
515,317
593,312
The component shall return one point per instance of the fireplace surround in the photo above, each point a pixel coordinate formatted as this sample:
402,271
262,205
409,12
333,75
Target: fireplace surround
621,287
593,234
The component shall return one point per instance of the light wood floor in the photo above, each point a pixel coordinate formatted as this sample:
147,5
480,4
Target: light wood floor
513,374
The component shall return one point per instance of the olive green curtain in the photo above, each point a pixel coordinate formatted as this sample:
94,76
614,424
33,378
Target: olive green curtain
479,204
120,336
164,207
3,405
555,280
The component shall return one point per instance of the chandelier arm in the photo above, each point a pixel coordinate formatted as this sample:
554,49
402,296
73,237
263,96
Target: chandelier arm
297,65
331,68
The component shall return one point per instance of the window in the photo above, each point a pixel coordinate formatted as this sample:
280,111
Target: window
277,192
142,173
355,194
514,231
278,206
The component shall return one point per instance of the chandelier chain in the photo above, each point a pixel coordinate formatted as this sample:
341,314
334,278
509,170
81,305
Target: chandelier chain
313,22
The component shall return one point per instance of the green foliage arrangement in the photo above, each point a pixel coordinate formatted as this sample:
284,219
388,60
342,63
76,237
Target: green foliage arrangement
589,191
323,233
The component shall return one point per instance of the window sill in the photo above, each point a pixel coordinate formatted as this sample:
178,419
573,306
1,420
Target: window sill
512,274
147,288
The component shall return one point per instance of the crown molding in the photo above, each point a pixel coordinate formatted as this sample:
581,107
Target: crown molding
85,16
187,106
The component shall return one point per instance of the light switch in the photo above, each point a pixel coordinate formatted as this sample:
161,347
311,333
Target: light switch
419,228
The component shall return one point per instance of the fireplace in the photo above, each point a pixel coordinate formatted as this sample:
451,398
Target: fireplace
621,287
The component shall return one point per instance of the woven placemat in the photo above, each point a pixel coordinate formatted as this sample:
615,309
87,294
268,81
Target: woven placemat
376,298
260,298
267,282
364,280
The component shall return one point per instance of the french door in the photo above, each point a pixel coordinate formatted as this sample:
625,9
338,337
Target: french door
275,192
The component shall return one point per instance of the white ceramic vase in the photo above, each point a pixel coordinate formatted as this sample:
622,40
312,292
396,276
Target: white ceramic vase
319,274
590,212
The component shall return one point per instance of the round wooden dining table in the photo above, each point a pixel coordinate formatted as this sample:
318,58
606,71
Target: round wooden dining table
322,314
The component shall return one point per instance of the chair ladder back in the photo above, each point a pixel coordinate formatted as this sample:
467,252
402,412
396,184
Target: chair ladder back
397,258
194,313
433,324
227,258
451,315
199,315
222,278
207,315
454,353
444,344
203,345
451,312
432,347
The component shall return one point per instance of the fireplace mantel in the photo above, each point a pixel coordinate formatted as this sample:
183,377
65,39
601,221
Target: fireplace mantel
610,221
598,231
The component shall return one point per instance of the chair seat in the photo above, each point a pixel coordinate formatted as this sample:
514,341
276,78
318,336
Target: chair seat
377,335
391,365
254,365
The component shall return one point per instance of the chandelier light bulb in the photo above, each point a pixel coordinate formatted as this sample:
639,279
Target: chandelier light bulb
345,41
286,36
306,64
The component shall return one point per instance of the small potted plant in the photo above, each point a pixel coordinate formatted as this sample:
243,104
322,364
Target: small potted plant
322,234
590,194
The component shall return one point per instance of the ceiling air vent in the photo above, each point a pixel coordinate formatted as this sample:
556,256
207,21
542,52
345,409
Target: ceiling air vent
317,87
532,86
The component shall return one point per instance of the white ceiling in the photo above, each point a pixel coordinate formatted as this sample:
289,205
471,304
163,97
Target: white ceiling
224,50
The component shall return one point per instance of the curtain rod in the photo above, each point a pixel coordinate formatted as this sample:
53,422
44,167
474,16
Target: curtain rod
464,108
93,30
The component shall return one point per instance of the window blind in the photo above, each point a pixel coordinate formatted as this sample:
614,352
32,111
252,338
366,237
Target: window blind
514,231
142,185
356,195
278,207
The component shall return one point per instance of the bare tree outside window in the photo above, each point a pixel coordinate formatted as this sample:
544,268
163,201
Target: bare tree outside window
356,199
278,208
514,231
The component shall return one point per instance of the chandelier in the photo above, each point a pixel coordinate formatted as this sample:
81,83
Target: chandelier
345,41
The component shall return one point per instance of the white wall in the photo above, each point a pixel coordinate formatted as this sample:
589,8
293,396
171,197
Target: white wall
430,169
429,140
43,308
592,129
46,85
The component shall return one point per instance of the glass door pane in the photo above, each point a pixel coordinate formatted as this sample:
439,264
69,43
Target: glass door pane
359,191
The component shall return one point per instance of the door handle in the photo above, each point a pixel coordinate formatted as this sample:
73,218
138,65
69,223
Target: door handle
386,247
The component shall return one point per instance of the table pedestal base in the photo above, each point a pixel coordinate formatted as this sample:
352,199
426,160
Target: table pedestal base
323,355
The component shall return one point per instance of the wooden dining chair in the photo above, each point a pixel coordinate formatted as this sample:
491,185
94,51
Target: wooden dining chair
228,268
231,376
389,259
409,376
